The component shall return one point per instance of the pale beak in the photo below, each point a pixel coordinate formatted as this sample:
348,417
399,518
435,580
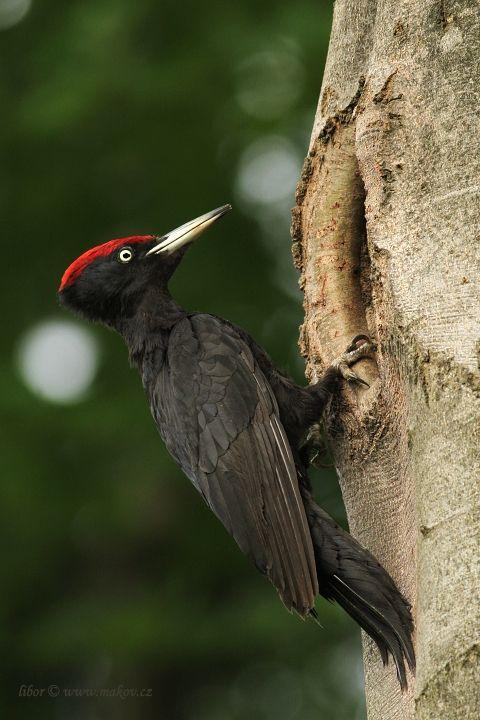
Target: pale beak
187,233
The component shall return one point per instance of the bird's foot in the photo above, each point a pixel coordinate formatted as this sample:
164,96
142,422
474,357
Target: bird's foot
313,446
360,347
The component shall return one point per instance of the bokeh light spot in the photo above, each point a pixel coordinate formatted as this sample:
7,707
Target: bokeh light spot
12,11
57,360
270,82
268,171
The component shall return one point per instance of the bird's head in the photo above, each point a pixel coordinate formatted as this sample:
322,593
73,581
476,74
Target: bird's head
108,282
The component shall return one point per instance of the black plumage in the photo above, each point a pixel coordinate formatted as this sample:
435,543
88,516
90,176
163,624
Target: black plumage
236,426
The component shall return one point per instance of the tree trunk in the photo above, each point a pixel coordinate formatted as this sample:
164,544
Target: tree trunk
385,234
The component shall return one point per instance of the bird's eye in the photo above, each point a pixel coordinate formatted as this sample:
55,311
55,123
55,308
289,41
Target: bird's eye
125,255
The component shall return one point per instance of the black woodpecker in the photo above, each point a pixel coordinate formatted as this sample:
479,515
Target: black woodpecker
237,426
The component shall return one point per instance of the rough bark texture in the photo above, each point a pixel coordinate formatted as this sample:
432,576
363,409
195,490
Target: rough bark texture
385,234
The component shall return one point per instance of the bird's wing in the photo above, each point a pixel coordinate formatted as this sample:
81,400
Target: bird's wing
220,420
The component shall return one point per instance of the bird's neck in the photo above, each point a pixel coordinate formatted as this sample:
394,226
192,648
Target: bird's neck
148,328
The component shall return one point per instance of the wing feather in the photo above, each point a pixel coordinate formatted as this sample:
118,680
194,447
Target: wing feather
220,420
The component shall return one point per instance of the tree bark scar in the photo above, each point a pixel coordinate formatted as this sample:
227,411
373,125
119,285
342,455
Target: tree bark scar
446,18
328,229
385,94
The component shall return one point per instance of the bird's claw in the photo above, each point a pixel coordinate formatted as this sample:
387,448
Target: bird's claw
355,351
314,443
358,342
350,376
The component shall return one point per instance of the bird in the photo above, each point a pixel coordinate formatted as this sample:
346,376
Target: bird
240,430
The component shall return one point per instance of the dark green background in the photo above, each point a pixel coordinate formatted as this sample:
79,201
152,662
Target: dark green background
122,117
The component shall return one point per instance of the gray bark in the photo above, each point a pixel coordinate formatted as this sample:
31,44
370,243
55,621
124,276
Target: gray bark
386,232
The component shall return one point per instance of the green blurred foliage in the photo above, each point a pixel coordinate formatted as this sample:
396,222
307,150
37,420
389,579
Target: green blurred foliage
123,117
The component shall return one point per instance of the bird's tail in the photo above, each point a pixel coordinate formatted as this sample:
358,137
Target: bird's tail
350,575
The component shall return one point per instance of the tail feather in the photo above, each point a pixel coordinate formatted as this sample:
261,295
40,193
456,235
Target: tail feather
350,575
382,632
361,617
